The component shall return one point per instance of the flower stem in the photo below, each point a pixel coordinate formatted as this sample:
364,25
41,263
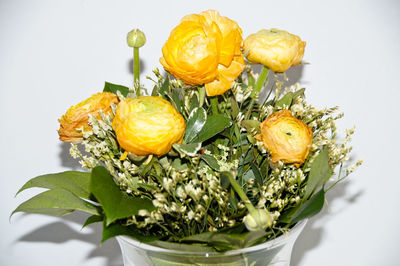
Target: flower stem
261,79
214,105
241,194
257,88
136,70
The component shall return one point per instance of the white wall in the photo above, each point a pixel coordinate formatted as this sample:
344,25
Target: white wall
55,53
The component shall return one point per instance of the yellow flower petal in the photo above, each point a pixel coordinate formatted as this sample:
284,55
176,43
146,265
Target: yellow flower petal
78,116
226,77
202,46
276,49
287,138
231,36
148,125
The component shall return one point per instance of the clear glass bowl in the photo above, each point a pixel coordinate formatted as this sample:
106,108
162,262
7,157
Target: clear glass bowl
275,252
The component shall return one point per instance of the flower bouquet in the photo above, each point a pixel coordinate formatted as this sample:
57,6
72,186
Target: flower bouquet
210,168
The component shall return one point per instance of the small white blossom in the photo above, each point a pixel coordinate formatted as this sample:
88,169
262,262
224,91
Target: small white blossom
190,215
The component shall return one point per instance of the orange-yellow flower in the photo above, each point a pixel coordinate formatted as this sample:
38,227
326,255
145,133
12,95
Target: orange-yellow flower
205,49
287,138
148,125
276,49
77,116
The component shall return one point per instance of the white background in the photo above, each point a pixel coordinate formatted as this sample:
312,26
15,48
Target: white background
54,54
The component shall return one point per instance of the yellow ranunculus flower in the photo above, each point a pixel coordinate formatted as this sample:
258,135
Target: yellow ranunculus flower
205,49
276,49
78,116
287,138
148,125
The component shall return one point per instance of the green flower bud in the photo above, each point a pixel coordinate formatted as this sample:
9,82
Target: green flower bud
136,38
258,219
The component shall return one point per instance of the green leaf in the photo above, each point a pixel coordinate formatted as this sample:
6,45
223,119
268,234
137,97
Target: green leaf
251,81
56,202
93,219
182,247
164,87
227,239
202,95
252,126
178,165
225,182
176,100
232,199
234,107
214,125
264,168
253,237
319,173
73,181
251,139
116,203
116,229
298,93
238,136
155,90
145,168
286,215
195,123
285,100
114,88
211,161
194,103
246,157
248,175
310,207
257,175
187,149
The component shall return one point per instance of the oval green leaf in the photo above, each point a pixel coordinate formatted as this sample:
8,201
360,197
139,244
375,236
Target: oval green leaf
73,181
214,125
114,88
57,202
195,123
187,149
310,207
319,173
251,126
116,203
285,101
211,161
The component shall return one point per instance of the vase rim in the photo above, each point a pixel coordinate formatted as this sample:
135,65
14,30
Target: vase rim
293,232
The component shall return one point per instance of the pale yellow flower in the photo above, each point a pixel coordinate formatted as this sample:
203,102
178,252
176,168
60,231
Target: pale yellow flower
276,49
148,125
205,49
78,116
287,138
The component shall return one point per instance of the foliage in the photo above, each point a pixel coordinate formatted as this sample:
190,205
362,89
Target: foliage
186,197
204,163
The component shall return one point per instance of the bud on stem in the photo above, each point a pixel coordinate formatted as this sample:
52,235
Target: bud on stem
257,219
136,39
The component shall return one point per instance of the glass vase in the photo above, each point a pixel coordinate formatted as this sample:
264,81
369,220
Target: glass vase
275,252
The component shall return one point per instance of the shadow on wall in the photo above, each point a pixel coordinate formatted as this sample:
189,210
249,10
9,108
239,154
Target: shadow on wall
142,66
61,232
65,158
312,235
293,76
